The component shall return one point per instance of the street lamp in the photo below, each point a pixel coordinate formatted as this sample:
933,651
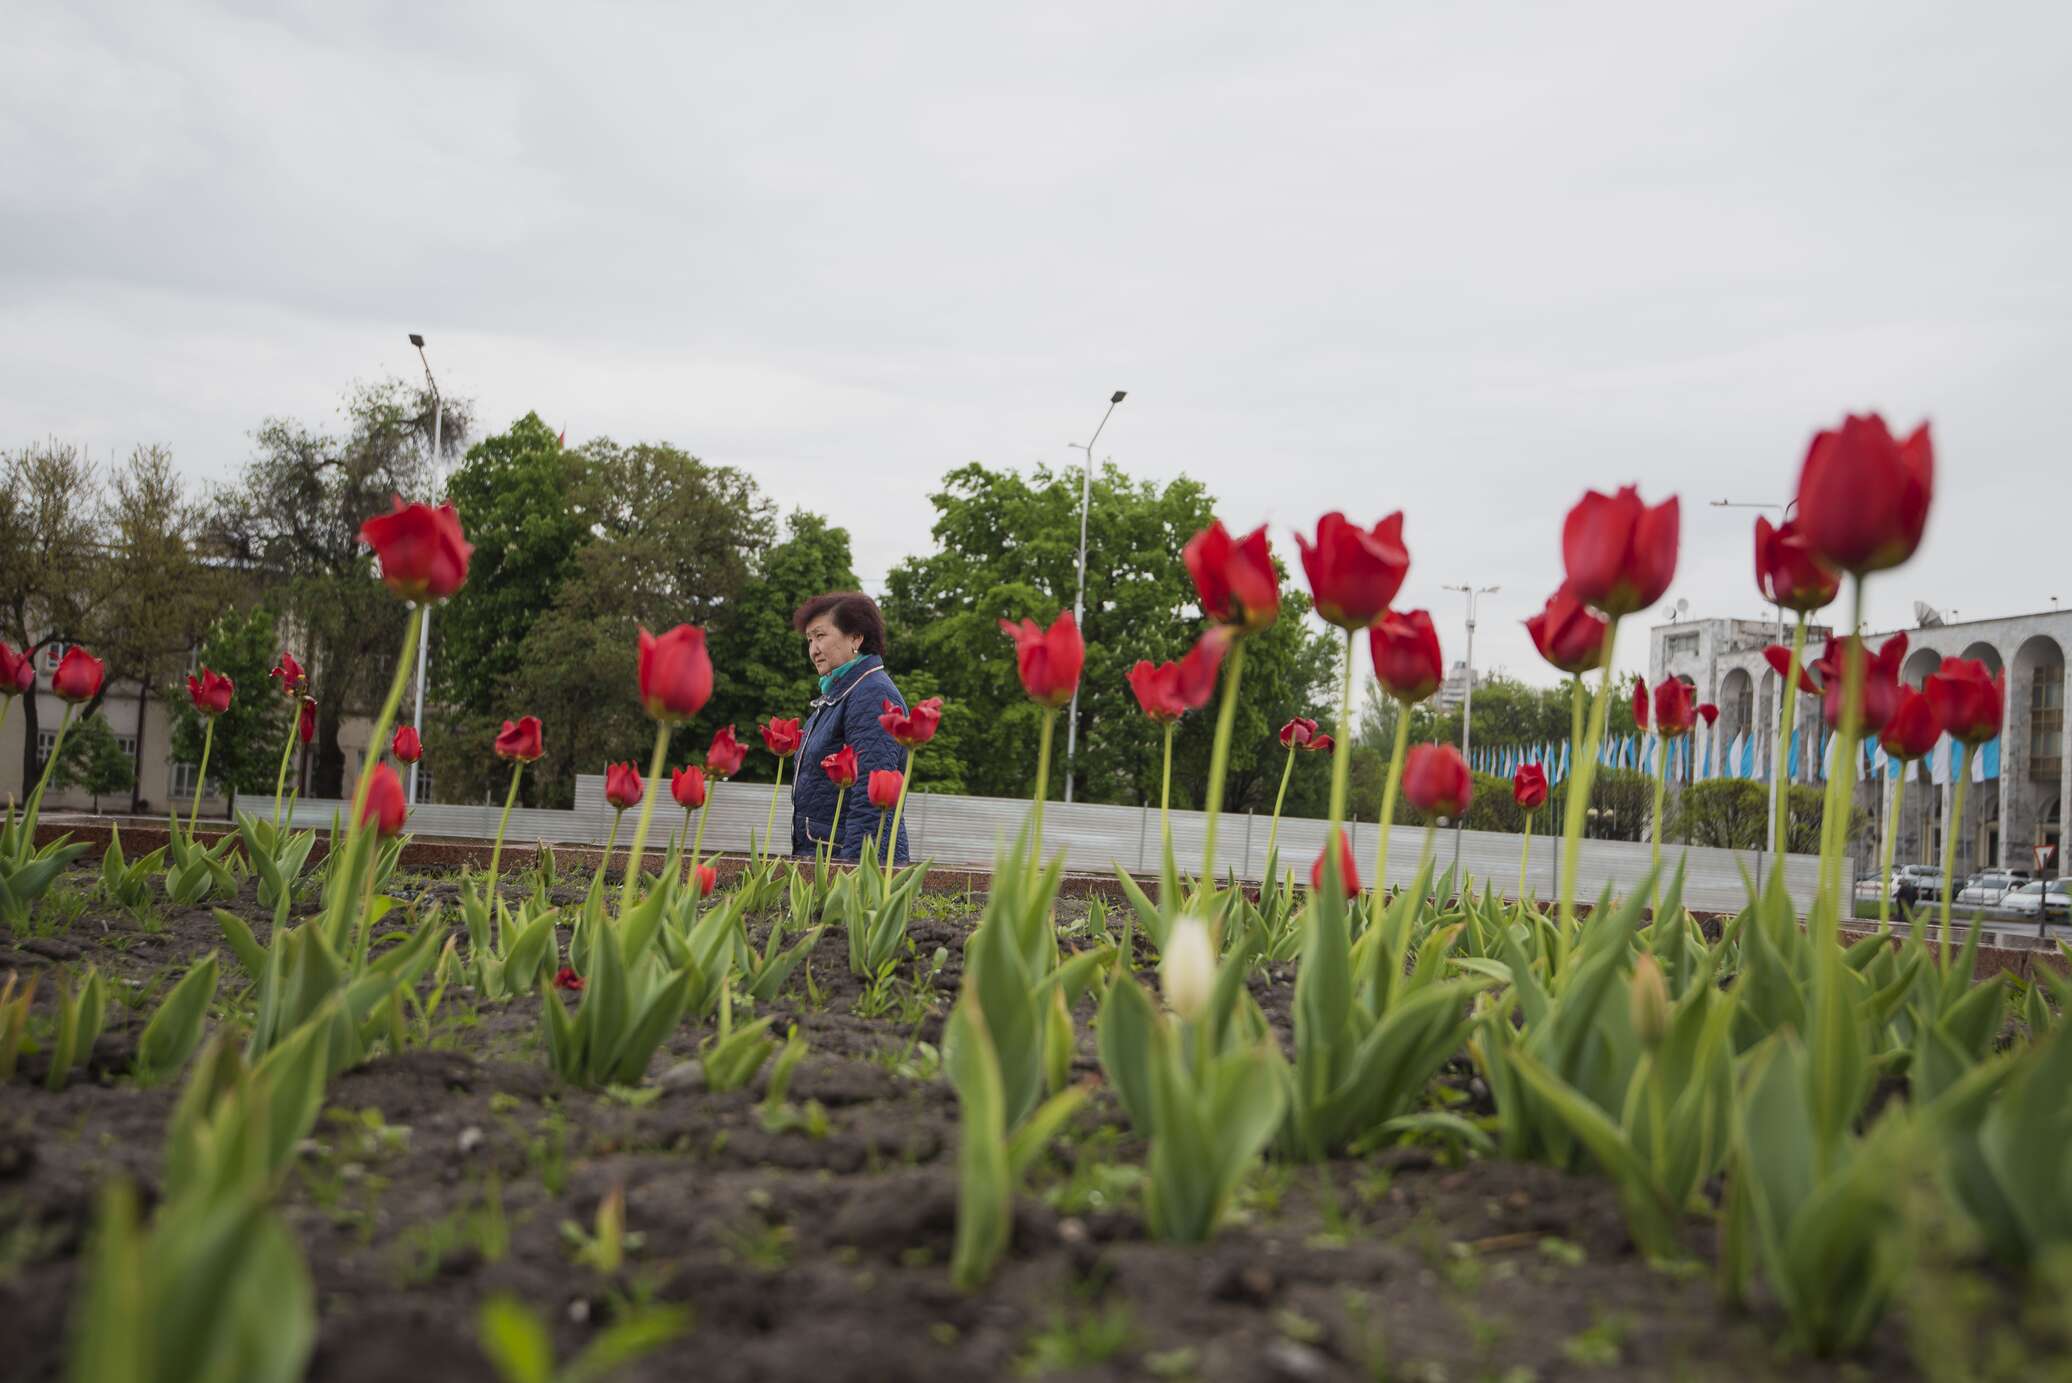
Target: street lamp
1086,490
1467,705
1782,692
424,634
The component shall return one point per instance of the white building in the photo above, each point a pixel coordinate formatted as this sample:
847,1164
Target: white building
1453,692
2007,820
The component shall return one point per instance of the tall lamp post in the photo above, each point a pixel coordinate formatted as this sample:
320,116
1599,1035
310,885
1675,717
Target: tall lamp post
1467,705
424,635
1782,692
1086,490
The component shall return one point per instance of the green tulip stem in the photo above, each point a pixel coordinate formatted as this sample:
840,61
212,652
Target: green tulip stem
657,761
1273,833
387,718
698,836
1581,773
611,842
770,825
1524,857
1786,714
280,779
1951,828
35,807
1655,836
1899,796
1341,759
1219,759
496,851
906,776
834,827
208,742
1841,778
1390,786
1050,720
1165,788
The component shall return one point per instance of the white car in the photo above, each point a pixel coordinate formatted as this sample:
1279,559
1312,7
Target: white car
2054,898
1986,888
1924,879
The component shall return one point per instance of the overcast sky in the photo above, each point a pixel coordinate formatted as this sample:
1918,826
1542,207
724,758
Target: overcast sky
1463,260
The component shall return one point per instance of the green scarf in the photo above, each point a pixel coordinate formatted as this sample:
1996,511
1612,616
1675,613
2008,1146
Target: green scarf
827,683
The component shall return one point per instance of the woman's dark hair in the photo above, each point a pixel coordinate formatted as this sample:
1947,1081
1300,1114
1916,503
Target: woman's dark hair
854,613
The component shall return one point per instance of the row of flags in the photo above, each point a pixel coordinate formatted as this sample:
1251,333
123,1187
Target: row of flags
1740,757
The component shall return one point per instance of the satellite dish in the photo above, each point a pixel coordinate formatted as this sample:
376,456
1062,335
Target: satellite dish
1682,606
1926,615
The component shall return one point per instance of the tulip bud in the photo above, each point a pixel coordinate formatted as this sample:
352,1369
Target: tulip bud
1187,968
1647,1000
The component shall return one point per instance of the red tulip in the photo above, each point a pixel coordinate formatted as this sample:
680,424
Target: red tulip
781,737
914,726
567,978
79,675
840,767
17,672
1529,787
211,692
385,805
1787,572
1170,690
1298,731
1674,713
708,880
288,675
1708,713
1877,697
1913,729
1048,660
726,754
306,720
1967,699
1407,661
406,746
622,785
1779,659
1640,703
1436,780
1863,496
1354,573
1234,580
422,553
1319,744
675,673
520,740
884,787
1348,872
687,786
1569,634
1620,554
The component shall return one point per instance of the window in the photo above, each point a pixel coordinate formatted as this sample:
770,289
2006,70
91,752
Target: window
53,654
1681,645
46,740
424,782
2047,722
180,779
128,745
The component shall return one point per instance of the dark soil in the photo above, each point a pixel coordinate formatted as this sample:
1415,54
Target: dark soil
804,1257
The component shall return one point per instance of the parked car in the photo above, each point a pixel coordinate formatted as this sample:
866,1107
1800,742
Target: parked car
1986,888
1918,883
2054,898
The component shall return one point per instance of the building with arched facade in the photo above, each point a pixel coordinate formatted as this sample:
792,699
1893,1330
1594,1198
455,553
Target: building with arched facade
2007,819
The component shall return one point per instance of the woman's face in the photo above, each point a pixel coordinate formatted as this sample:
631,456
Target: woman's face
828,646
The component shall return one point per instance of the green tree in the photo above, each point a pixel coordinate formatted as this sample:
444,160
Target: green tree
515,494
92,759
1006,546
295,518
246,753
55,581
671,540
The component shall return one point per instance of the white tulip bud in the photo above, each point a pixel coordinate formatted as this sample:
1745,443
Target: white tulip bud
1187,969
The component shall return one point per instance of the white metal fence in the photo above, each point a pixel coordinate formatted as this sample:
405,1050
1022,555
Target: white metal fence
967,831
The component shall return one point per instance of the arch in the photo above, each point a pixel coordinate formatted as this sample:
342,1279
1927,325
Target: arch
1919,664
2033,747
1985,653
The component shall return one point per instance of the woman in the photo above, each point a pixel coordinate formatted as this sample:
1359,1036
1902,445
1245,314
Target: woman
845,638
